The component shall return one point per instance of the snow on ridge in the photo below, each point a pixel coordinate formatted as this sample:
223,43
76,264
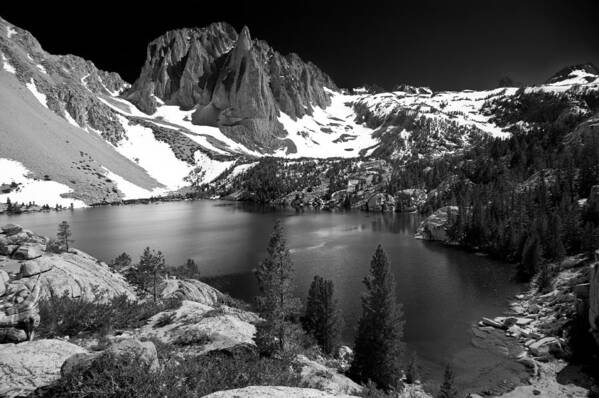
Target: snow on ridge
70,119
6,65
41,97
10,31
32,190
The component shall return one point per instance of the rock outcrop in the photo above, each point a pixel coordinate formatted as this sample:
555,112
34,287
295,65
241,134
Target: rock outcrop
435,226
231,81
317,375
74,272
27,366
190,290
202,328
275,392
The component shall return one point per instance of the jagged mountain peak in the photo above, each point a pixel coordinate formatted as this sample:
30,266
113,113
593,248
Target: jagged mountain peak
578,70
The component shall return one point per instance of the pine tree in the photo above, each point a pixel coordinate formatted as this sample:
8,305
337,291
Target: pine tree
64,234
378,345
448,387
120,263
146,274
276,304
321,319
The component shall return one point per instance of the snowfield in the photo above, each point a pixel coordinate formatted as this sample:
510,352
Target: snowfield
156,157
330,132
33,190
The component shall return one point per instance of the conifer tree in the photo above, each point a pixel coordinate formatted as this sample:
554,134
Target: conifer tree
276,304
448,387
321,319
121,262
64,234
146,274
378,345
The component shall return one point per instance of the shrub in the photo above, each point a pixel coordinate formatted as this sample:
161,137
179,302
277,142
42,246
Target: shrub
192,337
68,316
188,377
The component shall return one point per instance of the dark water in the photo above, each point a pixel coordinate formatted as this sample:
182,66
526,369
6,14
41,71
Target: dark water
444,291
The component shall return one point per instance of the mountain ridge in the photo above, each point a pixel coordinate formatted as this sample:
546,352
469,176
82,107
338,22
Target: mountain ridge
218,100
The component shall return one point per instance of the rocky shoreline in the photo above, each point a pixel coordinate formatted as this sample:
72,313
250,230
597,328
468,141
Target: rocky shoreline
541,322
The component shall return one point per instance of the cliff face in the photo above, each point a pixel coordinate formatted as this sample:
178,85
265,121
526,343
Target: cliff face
231,81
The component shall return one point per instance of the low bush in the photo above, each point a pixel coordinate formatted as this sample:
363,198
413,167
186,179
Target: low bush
188,377
68,316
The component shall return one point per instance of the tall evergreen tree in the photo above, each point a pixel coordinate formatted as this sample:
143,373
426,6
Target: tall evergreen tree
276,304
378,345
447,389
321,319
64,234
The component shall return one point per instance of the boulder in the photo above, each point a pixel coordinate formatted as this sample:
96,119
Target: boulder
191,290
28,251
435,226
275,392
546,346
143,352
202,328
319,376
3,281
11,229
27,366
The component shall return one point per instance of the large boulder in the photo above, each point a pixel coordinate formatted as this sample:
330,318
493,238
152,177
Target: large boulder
27,366
191,290
435,226
11,229
28,251
316,375
202,328
275,392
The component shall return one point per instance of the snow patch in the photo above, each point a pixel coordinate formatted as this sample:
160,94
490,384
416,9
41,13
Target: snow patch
70,119
41,97
156,157
41,67
329,132
7,66
10,32
213,168
130,190
33,190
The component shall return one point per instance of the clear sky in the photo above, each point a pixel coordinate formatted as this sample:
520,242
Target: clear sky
442,44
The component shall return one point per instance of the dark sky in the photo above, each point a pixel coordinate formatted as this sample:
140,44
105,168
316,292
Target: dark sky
442,44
